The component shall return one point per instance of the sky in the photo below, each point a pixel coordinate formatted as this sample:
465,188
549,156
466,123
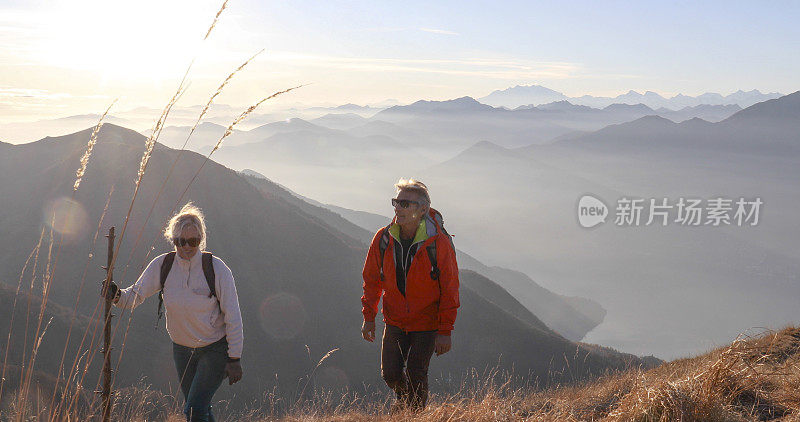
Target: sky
59,58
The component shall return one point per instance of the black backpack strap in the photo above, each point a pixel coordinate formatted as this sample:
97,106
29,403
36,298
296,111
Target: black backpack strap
166,266
384,243
208,270
431,248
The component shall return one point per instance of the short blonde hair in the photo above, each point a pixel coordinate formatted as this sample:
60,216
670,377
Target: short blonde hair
413,185
189,215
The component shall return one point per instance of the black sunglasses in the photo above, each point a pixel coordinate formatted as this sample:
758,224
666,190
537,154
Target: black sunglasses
404,203
192,241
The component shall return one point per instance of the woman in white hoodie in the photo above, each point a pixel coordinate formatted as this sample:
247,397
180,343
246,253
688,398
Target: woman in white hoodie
202,308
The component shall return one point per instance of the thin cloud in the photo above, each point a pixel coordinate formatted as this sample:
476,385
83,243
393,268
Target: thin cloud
31,93
382,29
479,67
439,31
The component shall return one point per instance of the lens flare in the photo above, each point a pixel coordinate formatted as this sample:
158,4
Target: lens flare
67,217
283,316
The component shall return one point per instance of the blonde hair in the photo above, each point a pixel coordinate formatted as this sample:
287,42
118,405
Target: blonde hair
413,185
189,215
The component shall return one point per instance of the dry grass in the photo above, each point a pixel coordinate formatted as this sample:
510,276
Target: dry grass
64,403
89,148
754,379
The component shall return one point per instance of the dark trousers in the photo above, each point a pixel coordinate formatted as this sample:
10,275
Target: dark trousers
404,363
201,371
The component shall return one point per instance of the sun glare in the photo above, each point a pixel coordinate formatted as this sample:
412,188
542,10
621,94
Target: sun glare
145,39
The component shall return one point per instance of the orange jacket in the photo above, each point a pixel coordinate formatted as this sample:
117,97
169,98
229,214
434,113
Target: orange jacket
428,304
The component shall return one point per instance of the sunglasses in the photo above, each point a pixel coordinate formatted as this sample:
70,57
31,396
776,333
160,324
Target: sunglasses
403,203
192,241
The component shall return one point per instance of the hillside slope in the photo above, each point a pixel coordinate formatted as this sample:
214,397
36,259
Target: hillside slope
530,301
298,279
753,379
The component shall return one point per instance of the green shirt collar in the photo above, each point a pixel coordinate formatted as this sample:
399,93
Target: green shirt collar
420,236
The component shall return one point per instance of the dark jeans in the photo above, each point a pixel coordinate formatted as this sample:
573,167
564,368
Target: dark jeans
404,363
200,371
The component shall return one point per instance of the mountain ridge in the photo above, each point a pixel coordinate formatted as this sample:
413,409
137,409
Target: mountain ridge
521,95
292,298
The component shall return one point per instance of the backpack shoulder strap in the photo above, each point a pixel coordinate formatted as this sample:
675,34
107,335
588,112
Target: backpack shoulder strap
437,216
166,266
431,248
384,243
208,270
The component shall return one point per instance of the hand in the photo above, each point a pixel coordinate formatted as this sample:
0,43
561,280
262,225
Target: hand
443,344
233,370
113,290
368,331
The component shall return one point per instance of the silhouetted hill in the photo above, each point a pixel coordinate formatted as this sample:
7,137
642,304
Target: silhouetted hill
521,95
536,95
559,313
340,121
571,317
458,105
639,108
786,107
768,128
18,132
449,126
647,277
565,105
298,278
321,147
205,135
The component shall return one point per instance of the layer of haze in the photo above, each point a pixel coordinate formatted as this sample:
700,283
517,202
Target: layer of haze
60,58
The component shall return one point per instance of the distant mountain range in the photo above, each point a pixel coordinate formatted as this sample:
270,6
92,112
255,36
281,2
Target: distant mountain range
521,95
571,317
671,290
767,128
298,277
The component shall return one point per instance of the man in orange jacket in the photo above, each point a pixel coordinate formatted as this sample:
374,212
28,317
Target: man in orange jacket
412,264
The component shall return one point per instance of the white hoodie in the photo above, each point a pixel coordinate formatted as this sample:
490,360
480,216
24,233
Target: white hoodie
193,318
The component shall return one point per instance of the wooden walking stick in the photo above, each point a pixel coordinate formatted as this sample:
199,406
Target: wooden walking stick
106,392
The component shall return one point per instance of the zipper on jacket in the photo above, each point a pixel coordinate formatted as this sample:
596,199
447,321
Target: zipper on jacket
405,274
405,266
189,275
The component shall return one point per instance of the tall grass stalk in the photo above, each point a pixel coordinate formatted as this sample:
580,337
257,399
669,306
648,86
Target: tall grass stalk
34,251
51,265
50,269
216,18
314,371
228,132
175,162
89,148
142,169
53,405
23,396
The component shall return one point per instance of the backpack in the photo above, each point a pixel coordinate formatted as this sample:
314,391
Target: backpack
431,249
208,270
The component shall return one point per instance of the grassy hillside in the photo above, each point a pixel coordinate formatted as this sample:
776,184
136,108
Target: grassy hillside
754,379
298,279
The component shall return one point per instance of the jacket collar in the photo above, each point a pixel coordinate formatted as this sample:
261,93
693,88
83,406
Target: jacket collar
427,228
188,263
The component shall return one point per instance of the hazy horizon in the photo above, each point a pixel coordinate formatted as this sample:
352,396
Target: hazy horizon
490,161
53,63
